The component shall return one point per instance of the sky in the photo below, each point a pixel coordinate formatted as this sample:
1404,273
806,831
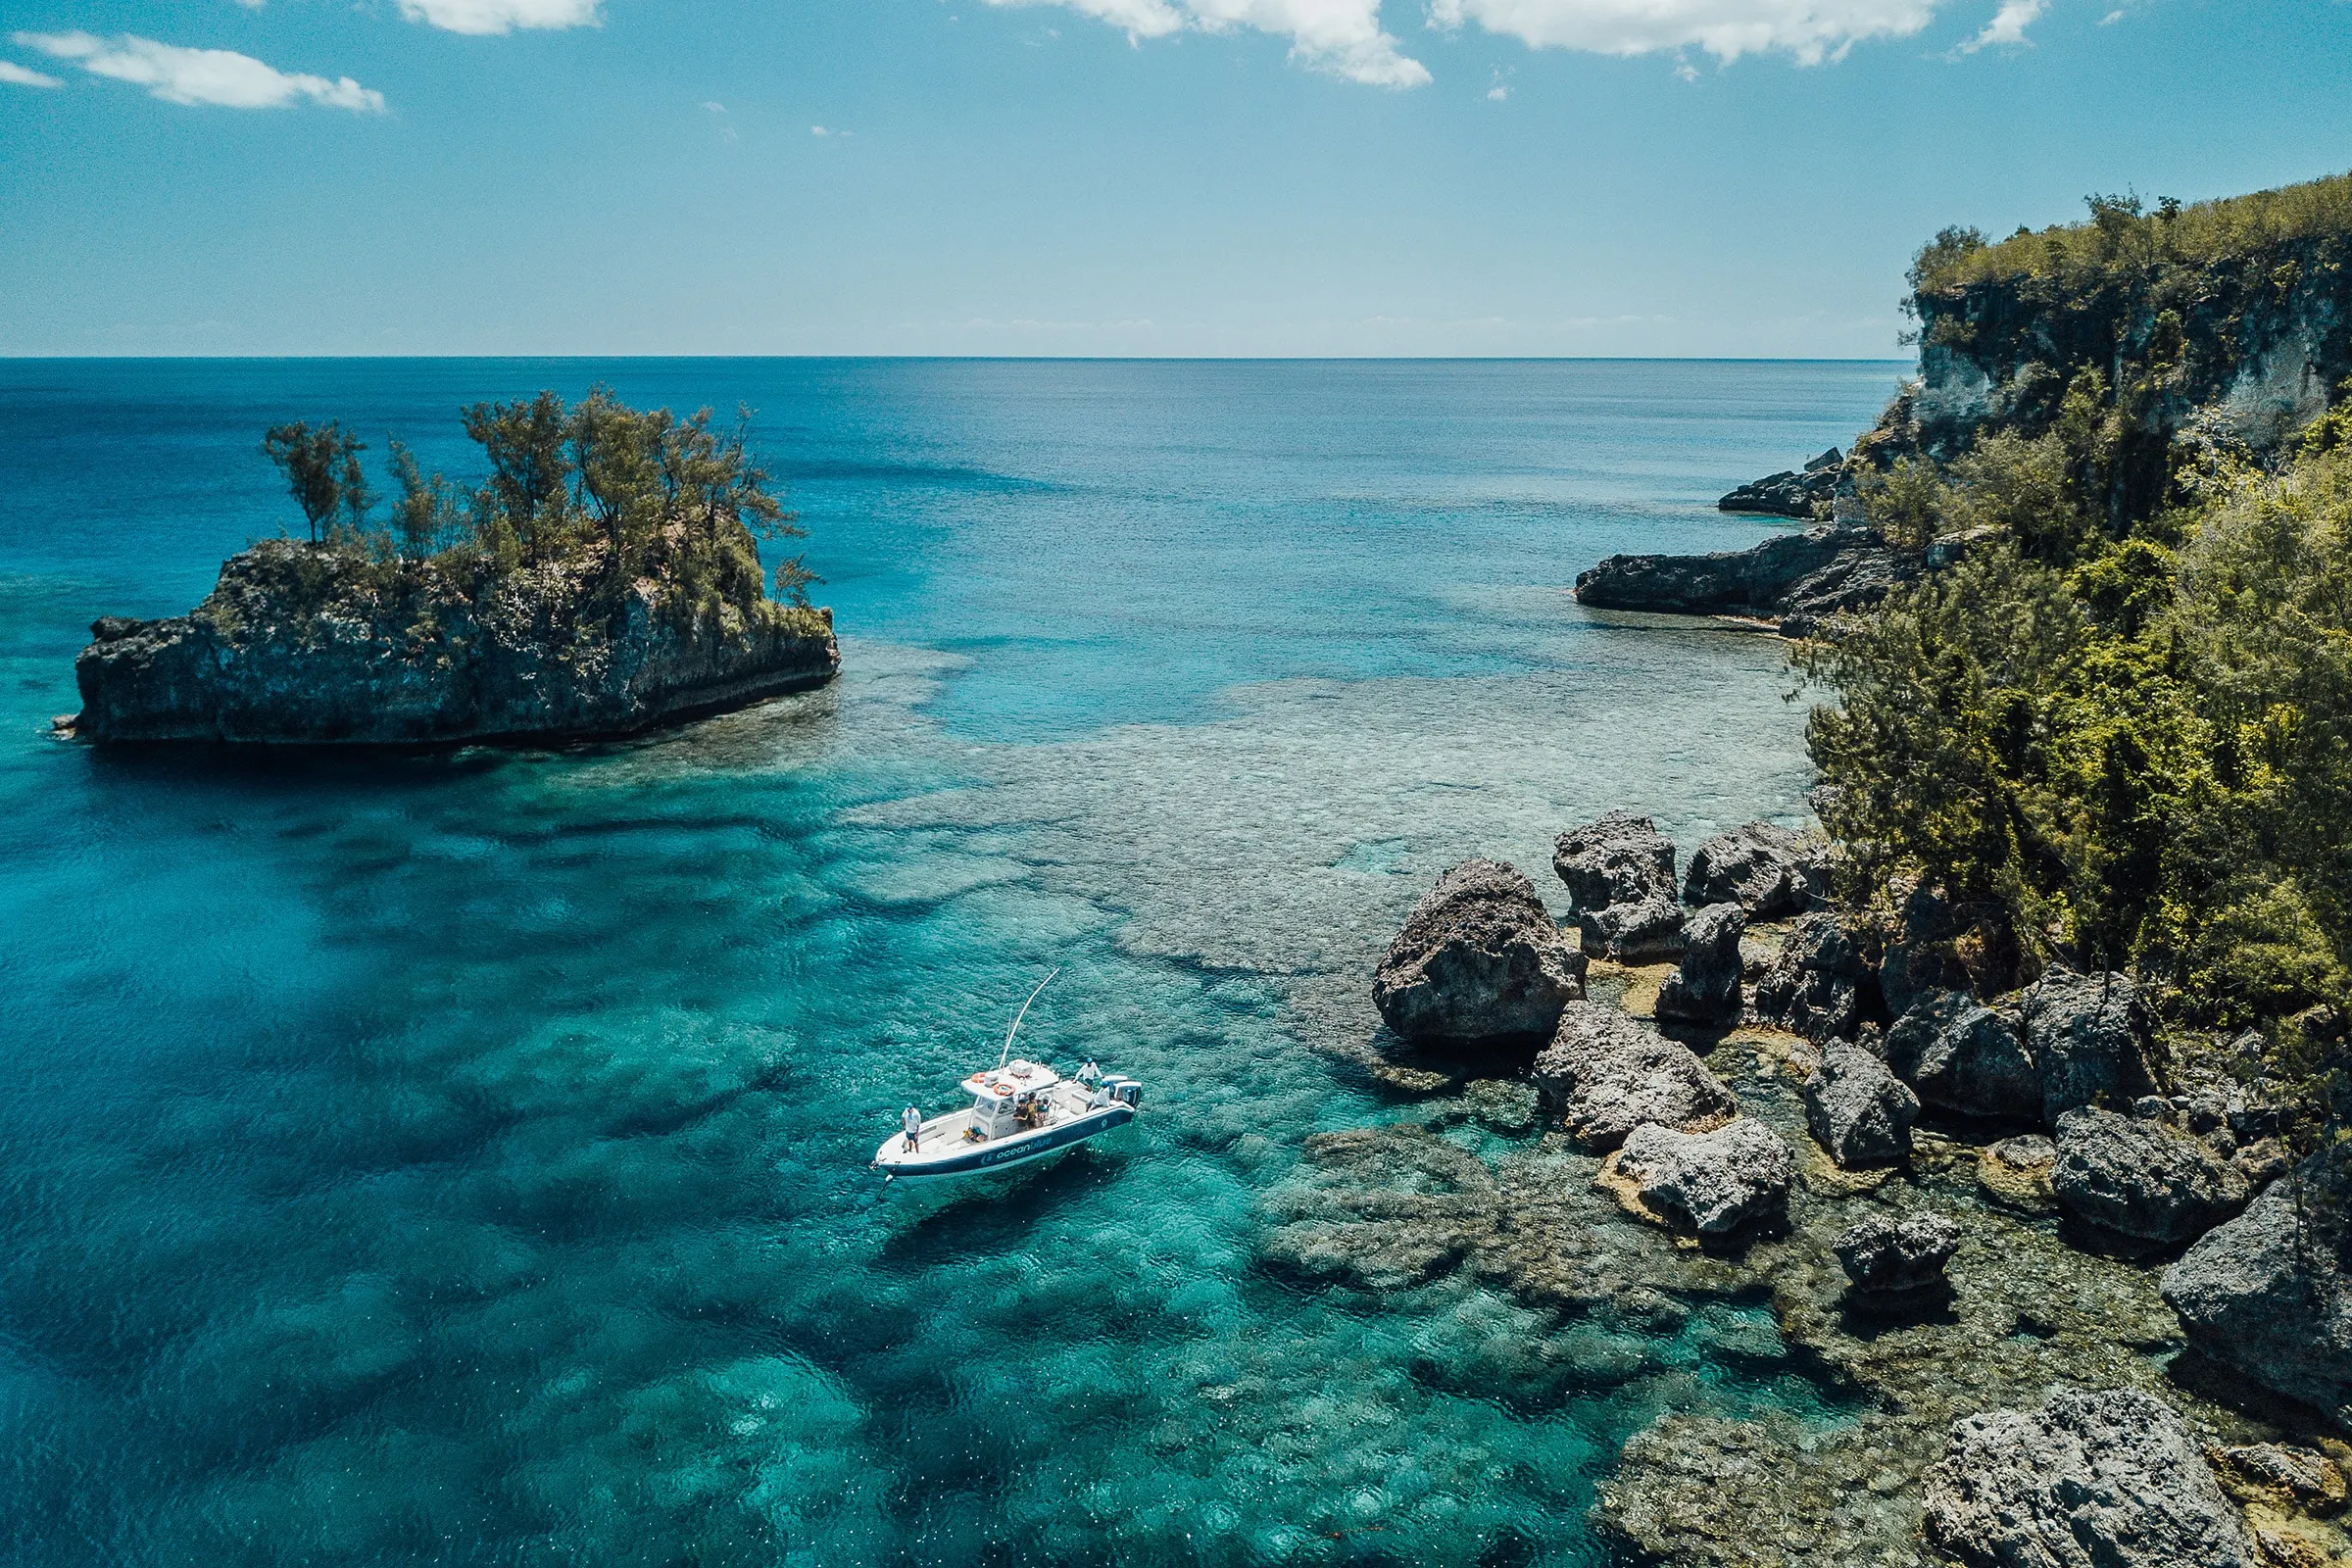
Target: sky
1710,178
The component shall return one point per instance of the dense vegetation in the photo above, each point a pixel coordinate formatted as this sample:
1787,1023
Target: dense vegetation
2119,732
2122,233
620,495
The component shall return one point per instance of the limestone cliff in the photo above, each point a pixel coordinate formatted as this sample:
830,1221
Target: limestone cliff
304,643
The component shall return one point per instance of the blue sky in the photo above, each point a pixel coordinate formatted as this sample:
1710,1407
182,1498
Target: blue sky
1090,176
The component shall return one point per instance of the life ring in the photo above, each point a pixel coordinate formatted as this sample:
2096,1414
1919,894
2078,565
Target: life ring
1002,1089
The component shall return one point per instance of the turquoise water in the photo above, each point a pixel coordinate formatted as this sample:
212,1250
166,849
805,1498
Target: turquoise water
461,1158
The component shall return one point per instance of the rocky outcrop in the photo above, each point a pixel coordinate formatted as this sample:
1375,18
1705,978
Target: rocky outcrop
306,645
2084,1033
1646,931
1795,578
2267,1294
1858,1111
1479,958
1705,988
1769,871
1815,983
1794,493
2095,1479
1605,1074
1619,872
1713,1181
2143,1178
1887,1257
1622,859
1965,1057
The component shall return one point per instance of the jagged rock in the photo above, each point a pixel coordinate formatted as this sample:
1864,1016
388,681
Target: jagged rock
1622,859
303,645
2016,1172
1794,493
1918,958
1888,1256
2143,1178
2278,1472
1797,578
1768,871
1965,1057
2105,1478
1645,931
2266,1293
1858,1111
1813,986
2083,1033
2262,1162
1478,960
1706,989
1713,1181
1606,1075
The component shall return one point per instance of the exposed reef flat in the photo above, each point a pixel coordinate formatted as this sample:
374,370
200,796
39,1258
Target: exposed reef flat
298,644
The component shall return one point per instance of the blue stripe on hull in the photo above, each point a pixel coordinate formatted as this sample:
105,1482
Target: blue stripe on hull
1007,1152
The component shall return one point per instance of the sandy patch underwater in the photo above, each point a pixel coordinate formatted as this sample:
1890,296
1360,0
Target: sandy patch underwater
461,1159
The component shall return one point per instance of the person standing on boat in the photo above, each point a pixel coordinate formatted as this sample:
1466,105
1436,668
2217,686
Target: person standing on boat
1090,1073
912,1121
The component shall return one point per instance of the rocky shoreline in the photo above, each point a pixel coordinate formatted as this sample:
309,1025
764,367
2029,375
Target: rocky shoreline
306,645
2058,1301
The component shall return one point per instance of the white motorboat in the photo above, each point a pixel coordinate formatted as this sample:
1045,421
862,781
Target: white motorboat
1020,1111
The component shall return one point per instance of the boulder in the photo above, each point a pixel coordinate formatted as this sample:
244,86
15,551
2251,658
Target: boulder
2085,1035
1478,960
1622,859
1643,931
1891,1258
2106,1477
1713,1181
1606,1075
1918,957
1858,1111
1814,986
2266,1293
2016,1172
1768,871
1706,989
1965,1057
2143,1178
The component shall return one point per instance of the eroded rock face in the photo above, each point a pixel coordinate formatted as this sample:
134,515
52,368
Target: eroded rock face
1714,1182
1768,871
1858,1111
1605,1074
1794,493
1622,859
1795,576
2266,1293
1479,958
1886,1256
2143,1178
2085,1034
1647,930
1814,987
298,645
1918,960
1965,1057
1706,989
2108,1478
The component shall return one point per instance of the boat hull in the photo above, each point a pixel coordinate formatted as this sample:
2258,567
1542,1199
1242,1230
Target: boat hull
1000,1153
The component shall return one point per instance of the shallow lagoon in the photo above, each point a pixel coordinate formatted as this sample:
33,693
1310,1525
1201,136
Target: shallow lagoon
461,1157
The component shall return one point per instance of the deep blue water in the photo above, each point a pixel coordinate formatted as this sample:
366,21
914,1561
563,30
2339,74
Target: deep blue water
461,1158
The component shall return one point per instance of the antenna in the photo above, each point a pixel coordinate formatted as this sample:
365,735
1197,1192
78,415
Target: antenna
1023,1013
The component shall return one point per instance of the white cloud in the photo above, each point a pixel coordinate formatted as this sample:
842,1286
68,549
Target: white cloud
2008,25
486,16
11,71
1341,37
1808,30
180,76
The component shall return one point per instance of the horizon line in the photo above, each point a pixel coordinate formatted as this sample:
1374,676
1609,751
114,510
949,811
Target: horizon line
1040,359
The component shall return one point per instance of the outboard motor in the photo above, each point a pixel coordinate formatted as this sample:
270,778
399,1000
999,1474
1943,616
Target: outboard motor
1126,1091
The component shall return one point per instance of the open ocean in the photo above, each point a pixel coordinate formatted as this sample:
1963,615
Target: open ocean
461,1158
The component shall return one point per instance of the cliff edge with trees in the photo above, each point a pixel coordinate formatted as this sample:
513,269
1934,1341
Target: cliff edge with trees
604,577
